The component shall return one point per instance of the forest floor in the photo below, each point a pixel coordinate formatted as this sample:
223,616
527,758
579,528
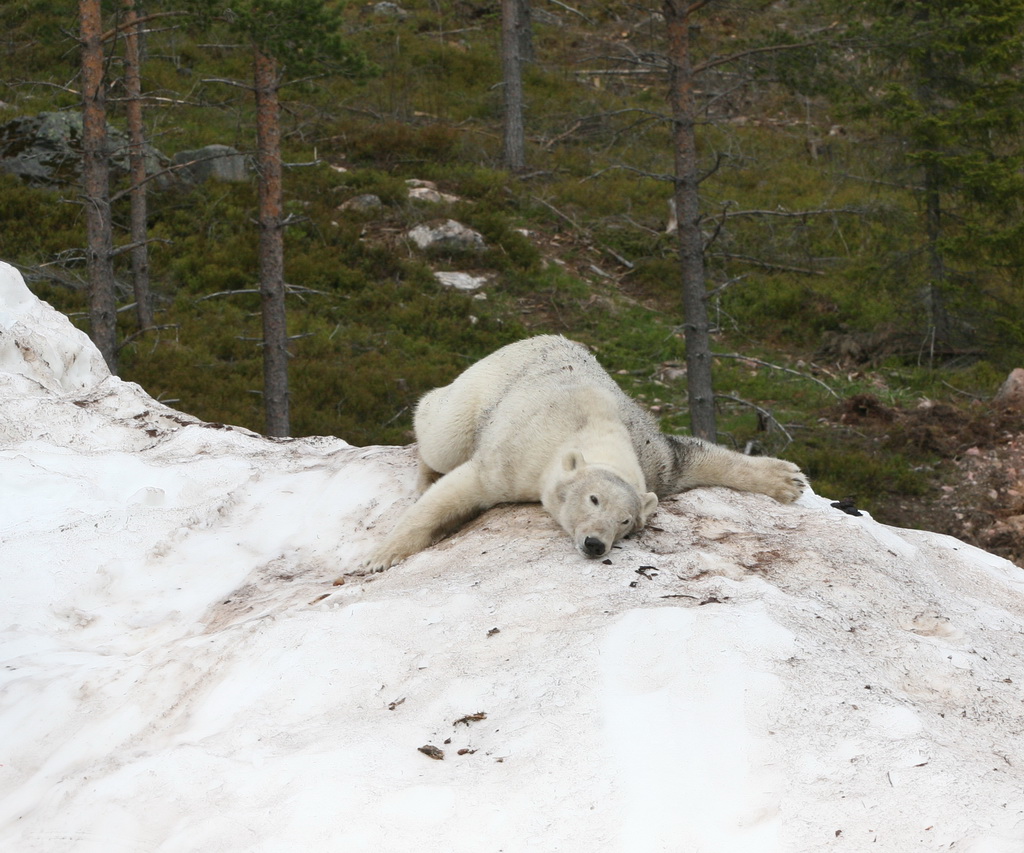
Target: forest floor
971,454
977,485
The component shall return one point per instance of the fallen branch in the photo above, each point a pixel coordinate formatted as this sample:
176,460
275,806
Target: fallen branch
569,8
792,213
127,247
775,367
772,48
109,34
642,172
134,335
757,262
763,412
226,293
289,289
625,262
618,72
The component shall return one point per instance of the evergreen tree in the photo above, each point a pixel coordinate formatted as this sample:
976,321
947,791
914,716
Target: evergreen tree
137,164
688,114
514,23
953,95
687,204
287,37
96,184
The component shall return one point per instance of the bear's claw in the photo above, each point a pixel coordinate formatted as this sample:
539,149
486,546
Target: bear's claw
781,479
379,561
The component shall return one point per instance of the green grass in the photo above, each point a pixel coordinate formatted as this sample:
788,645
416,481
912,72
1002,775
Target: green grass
380,330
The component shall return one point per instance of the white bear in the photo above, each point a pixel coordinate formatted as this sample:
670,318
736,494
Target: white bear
540,420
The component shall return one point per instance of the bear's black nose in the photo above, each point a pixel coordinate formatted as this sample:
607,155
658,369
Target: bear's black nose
593,546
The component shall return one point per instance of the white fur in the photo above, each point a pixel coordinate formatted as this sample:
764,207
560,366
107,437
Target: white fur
540,420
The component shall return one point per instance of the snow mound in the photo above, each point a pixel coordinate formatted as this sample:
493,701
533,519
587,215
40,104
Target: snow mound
39,348
181,672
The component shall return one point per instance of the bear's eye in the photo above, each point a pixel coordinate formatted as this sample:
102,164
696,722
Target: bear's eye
594,500
624,521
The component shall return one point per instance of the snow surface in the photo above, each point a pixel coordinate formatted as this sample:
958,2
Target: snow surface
180,672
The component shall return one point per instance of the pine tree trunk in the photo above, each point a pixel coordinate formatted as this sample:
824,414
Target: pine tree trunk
137,168
512,77
691,241
96,186
524,28
934,297
271,245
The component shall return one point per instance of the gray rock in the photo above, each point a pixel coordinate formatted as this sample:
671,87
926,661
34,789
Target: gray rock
1011,393
47,148
217,162
390,10
362,203
447,235
461,280
427,191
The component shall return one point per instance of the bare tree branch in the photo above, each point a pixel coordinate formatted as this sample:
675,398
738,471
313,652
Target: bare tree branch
771,48
619,72
716,290
176,168
290,289
249,290
824,211
569,8
697,4
112,33
657,176
127,247
228,82
135,335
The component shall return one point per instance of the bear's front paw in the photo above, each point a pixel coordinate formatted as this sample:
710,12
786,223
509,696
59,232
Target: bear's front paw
379,560
783,480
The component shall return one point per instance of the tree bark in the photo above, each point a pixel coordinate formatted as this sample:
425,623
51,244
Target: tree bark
524,28
512,78
934,291
96,186
271,244
691,241
934,296
137,167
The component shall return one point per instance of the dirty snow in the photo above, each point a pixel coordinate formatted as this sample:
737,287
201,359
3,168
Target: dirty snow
181,673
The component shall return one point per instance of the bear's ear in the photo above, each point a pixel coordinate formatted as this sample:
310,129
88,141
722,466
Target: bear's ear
573,460
650,503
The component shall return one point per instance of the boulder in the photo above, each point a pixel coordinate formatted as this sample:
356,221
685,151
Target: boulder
447,235
461,280
46,148
390,10
217,162
428,192
362,203
1011,393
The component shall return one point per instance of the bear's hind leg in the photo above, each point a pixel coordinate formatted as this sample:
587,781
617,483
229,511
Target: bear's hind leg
426,477
446,505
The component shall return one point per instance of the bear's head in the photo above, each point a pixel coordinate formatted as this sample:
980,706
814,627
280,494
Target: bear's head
595,506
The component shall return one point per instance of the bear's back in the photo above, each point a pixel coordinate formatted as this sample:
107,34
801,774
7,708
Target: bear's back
545,365
515,393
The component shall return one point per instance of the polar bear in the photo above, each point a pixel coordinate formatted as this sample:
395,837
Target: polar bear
540,420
